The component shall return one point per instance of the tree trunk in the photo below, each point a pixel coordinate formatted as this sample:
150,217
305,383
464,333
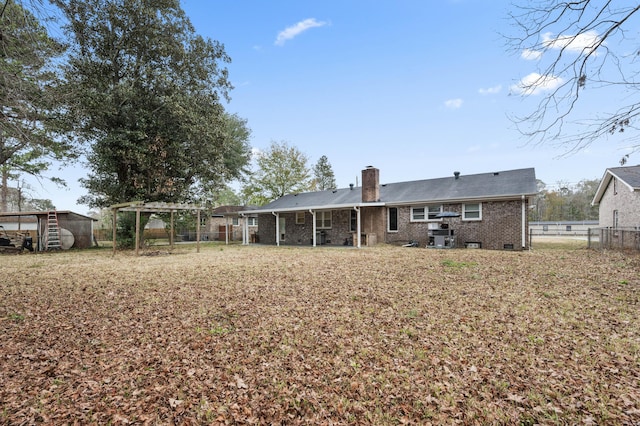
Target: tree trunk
4,191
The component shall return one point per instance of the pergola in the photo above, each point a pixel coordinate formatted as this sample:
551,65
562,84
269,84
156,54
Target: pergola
140,206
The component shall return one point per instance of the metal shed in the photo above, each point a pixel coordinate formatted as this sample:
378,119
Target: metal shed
35,223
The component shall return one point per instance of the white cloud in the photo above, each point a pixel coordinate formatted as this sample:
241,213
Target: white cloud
297,29
534,84
490,90
575,43
453,103
531,55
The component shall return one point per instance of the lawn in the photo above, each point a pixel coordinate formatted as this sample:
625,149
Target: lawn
268,335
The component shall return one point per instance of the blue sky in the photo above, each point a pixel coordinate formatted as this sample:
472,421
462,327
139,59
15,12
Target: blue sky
418,89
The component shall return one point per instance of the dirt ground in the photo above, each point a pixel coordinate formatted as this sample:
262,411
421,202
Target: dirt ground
268,335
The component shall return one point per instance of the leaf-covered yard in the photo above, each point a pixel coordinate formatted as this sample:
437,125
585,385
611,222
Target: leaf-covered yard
267,335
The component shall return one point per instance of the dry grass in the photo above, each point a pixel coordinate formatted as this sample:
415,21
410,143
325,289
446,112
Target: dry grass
559,242
267,335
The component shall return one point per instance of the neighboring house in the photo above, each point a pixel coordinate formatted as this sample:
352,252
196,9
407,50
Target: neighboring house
567,227
486,210
618,197
225,223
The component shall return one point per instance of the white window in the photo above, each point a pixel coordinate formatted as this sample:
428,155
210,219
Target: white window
299,218
615,218
426,213
472,211
433,211
417,213
323,219
252,221
235,221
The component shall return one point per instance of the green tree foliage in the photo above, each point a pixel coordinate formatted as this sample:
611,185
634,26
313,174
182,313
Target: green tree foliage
236,155
28,137
323,175
282,170
579,46
19,198
566,203
148,95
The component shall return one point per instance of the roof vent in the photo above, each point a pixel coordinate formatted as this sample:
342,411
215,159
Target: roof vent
456,174
496,173
350,186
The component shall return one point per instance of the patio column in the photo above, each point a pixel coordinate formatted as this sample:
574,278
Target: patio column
358,226
313,213
524,222
277,215
226,230
245,230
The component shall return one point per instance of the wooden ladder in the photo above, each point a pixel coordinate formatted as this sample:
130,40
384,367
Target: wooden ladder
53,232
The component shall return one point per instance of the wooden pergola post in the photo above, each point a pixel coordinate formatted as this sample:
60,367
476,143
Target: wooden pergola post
198,232
137,231
139,207
172,231
115,223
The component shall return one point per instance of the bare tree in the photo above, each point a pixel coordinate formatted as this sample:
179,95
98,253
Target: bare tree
579,45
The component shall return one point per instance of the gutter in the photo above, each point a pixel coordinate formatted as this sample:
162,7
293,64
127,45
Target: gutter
309,208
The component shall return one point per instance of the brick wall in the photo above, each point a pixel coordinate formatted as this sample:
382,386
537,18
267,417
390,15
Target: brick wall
501,225
627,203
302,234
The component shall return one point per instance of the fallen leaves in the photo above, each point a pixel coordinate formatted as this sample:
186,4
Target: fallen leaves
266,335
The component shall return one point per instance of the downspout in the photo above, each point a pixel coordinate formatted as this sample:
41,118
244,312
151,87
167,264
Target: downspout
313,213
277,228
524,223
358,227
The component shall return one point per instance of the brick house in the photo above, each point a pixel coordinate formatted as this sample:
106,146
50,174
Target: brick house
486,210
226,223
618,198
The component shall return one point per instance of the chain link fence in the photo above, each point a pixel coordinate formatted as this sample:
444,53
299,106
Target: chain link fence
614,238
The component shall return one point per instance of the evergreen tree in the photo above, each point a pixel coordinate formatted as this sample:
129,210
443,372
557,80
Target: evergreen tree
323,175
148,95
28,139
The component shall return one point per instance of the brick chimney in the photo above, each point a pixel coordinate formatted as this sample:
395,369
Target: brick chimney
370,185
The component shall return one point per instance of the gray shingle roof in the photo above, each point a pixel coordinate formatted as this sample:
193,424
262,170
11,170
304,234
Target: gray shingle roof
503,184
630,175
